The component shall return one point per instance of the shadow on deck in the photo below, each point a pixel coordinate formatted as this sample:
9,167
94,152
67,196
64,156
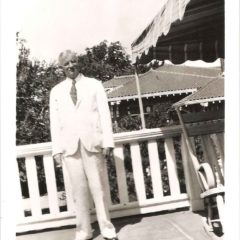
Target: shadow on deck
180,225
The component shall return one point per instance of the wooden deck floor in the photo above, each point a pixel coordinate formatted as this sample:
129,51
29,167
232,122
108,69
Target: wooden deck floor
181,225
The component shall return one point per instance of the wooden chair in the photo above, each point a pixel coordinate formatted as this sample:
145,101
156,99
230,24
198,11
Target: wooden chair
213,195
209,174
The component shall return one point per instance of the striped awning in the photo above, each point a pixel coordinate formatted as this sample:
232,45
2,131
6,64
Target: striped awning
183,30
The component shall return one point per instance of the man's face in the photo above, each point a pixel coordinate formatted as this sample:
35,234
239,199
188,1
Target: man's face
71,69
68,60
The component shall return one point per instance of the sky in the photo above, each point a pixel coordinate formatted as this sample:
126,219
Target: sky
51,26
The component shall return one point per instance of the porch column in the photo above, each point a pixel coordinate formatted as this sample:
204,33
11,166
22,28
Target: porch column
111,110
117,110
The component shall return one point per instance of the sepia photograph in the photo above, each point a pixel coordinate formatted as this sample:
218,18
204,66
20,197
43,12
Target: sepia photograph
121,121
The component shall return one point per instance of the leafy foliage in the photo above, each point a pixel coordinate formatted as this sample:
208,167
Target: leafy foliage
160,116
104,62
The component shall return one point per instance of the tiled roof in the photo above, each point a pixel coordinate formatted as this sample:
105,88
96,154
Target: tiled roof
118,81
213,91
202,71
165,79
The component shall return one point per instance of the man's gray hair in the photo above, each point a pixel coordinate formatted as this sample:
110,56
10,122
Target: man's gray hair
66,56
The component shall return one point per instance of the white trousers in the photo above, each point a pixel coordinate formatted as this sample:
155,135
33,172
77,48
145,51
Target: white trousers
86,172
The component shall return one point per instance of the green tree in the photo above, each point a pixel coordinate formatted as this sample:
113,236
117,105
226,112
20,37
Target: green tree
104,61
34,81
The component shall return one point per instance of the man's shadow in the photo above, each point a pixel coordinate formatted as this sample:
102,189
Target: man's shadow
118,223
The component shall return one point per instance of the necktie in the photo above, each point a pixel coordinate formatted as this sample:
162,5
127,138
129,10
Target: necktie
73,92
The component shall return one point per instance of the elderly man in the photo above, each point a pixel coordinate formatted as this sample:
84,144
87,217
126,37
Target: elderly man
82,138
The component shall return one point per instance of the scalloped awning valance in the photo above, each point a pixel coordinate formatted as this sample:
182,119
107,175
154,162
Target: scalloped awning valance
183,30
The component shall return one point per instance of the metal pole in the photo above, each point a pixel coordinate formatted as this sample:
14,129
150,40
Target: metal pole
140,101
222,62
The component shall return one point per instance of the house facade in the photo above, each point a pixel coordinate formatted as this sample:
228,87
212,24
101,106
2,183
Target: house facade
160,89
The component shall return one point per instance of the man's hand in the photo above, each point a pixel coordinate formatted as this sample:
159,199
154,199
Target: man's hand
107,153
58,158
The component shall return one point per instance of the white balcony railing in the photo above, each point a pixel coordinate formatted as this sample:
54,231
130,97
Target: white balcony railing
162,169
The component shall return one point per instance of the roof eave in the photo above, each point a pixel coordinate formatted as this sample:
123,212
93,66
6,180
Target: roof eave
197,101
157,94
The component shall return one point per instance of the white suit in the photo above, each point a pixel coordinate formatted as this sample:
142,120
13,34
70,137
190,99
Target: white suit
89,121
79,132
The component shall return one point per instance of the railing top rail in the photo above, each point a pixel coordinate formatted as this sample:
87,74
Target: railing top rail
133,136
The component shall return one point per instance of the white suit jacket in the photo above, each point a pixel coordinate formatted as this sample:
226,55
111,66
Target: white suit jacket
88,121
